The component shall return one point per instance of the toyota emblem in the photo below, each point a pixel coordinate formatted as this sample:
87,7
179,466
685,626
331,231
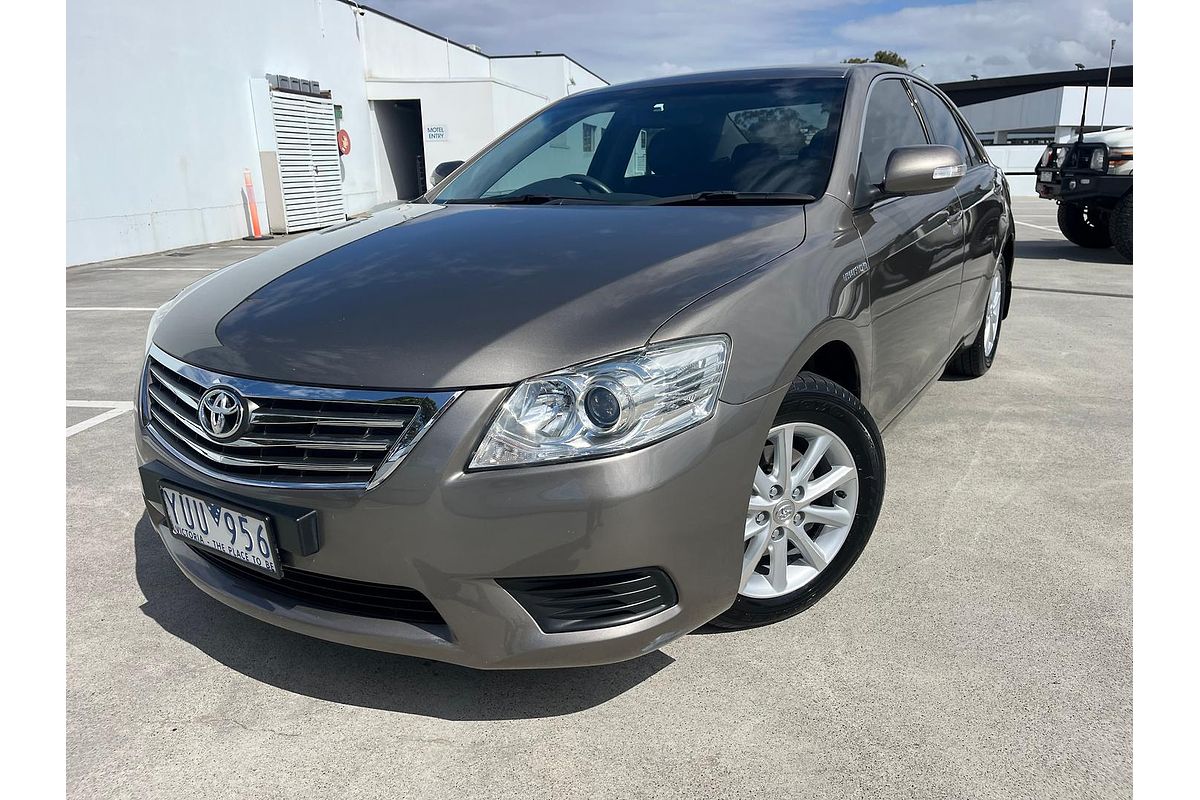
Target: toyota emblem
222,413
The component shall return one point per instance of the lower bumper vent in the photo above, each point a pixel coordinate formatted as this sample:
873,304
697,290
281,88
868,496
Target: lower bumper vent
586,602
346,596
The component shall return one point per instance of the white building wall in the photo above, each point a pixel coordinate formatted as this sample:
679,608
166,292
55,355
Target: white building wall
1052,109
1018,162
511,105
581,79
552,76
1119,111
1024,111
159,120
392,49
473,97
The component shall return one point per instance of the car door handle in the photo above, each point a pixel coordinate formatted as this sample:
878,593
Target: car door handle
950,218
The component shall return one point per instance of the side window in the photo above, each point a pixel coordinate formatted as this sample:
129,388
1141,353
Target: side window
974,144
943,127
891,122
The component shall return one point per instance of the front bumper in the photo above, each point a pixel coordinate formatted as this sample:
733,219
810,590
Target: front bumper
1085,188
677,505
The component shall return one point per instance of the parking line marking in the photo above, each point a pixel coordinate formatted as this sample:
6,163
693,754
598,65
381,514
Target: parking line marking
158,269
115,409
242,246
110,308
100,404
1039,227
1073,291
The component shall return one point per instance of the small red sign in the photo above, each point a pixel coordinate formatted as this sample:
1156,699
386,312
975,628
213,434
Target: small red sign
343,143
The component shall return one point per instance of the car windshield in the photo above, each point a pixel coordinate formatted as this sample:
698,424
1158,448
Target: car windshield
738,140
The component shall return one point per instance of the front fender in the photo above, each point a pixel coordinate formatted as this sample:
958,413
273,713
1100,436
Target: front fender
779,315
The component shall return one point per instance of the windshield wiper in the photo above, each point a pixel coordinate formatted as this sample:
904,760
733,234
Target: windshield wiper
524,199
732,198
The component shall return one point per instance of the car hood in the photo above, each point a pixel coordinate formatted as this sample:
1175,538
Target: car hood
428,296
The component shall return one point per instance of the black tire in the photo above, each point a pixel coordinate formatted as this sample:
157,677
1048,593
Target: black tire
1083,225
815,399
1120,226
972,360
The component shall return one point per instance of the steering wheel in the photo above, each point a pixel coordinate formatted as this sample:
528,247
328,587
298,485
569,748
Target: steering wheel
588,182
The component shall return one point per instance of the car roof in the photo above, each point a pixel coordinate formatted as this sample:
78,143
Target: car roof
758,73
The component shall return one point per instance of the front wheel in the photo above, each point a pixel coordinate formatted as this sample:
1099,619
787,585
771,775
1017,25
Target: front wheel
1120,226
1086,226
816,493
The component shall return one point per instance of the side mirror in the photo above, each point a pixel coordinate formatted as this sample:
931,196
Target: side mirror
443,170
922,169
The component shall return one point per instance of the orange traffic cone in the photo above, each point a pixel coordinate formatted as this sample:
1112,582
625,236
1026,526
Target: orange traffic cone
256,233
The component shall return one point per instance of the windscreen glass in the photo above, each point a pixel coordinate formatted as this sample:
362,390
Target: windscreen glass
634,145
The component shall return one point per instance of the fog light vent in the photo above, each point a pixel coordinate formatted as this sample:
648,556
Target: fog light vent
586,602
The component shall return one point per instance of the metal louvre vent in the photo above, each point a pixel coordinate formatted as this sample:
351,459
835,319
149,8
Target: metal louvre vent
310,167
586,602
295,436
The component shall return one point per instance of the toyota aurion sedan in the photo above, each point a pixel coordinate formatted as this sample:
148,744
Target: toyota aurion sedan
620,375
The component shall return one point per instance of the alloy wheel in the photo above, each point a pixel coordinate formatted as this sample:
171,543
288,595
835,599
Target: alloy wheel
991,323
801,509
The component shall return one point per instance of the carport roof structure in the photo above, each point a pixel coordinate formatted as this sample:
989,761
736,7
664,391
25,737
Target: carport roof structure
965,93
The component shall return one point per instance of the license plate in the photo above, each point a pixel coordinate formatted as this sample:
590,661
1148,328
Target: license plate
235,533
1046,177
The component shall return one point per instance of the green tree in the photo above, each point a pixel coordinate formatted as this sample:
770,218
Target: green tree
881,57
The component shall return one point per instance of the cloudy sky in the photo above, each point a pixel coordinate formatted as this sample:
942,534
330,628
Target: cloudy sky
625,40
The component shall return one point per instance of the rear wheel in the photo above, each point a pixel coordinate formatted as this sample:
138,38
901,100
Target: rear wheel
1120,226
1086,226
974,359
817,491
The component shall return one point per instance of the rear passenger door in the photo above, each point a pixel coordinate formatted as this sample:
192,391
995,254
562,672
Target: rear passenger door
914,247
981,193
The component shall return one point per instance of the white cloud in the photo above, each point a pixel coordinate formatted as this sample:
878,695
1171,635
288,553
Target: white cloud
1001,37
630,39
665,68
626,40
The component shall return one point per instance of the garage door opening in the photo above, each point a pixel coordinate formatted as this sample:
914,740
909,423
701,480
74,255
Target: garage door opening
403,145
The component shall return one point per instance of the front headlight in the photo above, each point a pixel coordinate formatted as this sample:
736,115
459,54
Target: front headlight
1099,159
606,407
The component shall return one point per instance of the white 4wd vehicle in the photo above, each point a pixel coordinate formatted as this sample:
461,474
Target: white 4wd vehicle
1092,180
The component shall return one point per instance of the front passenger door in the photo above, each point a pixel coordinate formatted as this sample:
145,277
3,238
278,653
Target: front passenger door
914,247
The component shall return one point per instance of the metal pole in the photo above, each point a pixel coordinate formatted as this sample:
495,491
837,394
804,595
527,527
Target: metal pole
1083,114
1112,44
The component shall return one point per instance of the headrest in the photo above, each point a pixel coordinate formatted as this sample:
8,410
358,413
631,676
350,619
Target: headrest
743,154
674,151
819,145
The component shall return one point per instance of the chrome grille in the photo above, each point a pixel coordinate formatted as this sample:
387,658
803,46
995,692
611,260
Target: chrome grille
296,436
